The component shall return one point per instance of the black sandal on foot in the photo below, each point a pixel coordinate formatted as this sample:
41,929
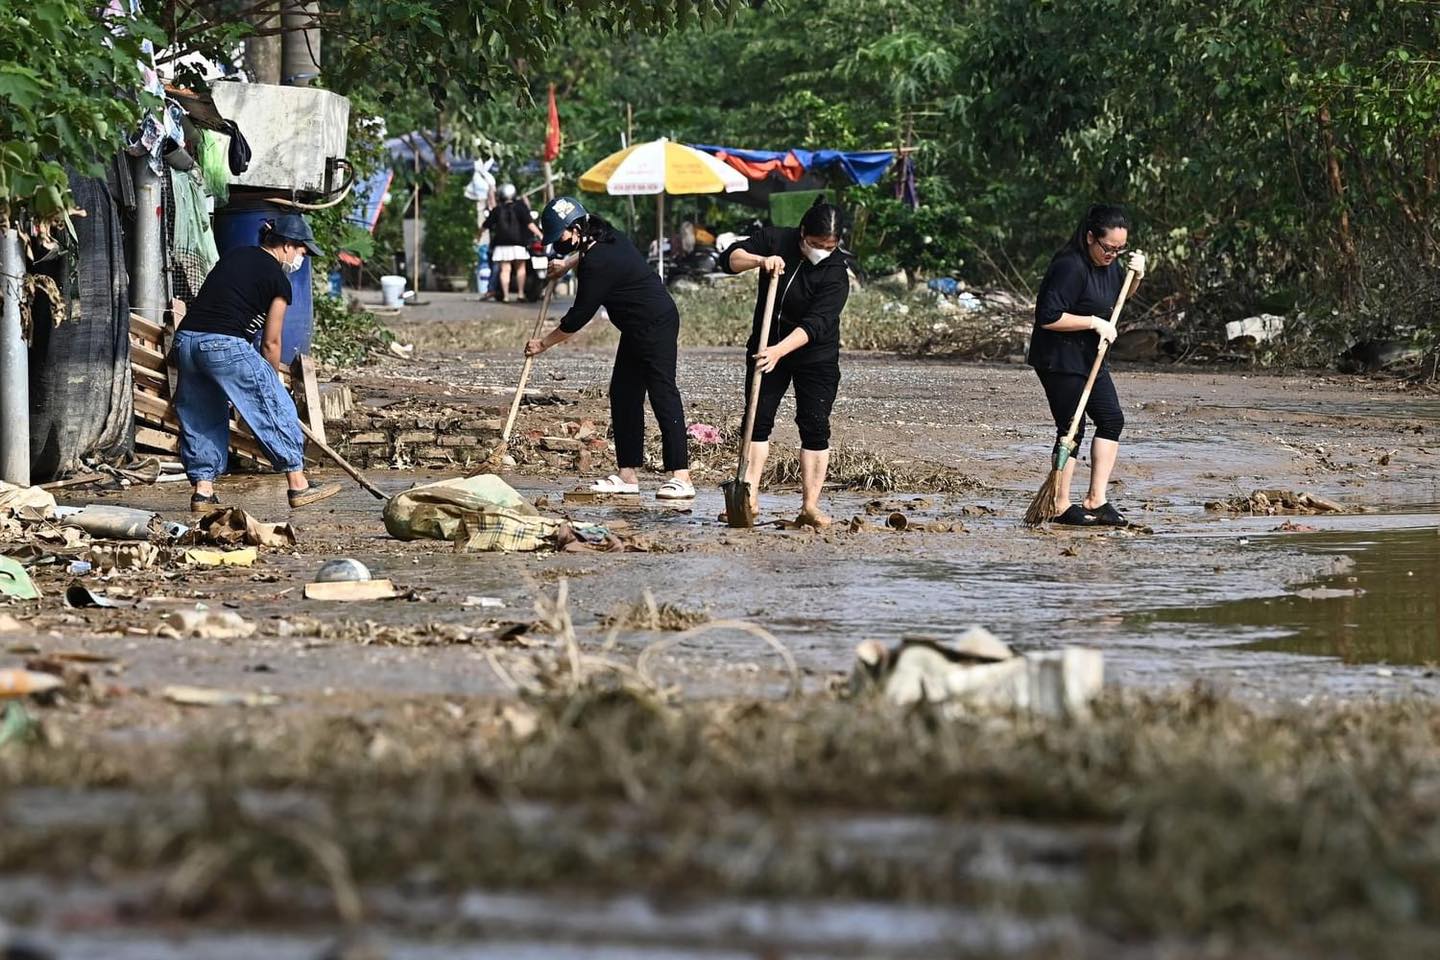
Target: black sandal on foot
1077,516
1107,516
203,504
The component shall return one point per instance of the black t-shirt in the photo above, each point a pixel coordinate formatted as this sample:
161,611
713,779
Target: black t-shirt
1074,285
237,294
811,295
613,275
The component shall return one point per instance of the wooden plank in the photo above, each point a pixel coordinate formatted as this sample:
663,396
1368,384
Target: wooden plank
306,390
147,356
158,413
145,377
146,329
157,439
336,401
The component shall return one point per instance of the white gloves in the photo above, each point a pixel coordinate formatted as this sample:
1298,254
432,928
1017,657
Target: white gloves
1137,263
1105,328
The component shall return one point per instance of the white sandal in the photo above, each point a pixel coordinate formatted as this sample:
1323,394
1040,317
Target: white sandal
675,489
613,484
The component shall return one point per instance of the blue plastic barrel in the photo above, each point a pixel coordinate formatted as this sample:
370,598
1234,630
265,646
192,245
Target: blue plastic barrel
240,227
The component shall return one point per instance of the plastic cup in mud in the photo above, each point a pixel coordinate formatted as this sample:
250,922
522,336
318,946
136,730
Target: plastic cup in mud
342,570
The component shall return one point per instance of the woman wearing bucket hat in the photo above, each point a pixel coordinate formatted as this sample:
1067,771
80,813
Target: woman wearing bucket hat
612,274
244,296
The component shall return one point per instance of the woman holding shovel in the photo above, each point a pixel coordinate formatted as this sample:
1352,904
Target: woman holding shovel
612,274
804,343
1080,290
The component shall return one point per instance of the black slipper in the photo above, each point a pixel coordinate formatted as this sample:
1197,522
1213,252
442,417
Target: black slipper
1107,516
1077,516
312,494
199,504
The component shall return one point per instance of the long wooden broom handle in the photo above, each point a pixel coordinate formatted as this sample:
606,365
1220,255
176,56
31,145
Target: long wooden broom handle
1099,359
529,363
754,400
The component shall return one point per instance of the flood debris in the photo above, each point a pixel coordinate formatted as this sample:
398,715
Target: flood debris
203,557
79,596
1272,502
108,522
106,557
647,614
342,569
858,469
15,582
188,696
18,682
233,527
978,672
1255,330
27,501
205,624
351,590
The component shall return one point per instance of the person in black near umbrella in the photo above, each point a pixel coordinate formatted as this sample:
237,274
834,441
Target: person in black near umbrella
612,274
804,347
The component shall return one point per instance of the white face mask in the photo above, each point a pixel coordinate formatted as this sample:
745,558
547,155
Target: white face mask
291,266
813,254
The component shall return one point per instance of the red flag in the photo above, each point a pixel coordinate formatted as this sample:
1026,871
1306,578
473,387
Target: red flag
552,130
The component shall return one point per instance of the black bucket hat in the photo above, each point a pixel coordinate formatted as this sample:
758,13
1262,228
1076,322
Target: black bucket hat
293,227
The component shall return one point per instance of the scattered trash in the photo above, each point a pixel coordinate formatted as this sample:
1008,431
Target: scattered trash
202,557
212,697
206,625
1290,526
79,596
16,725
405,351
1265,326
15,582
438,510
79,568
483,602
123,556
351,590
342,570
231,526
107,522
1271,502
704,433
31,501
25,683
1368,356
972,674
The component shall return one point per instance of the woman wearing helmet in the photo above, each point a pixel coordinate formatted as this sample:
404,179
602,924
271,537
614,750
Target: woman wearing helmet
244,296
612,274
511,227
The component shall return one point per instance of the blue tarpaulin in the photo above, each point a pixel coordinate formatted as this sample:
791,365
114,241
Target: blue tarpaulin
863,167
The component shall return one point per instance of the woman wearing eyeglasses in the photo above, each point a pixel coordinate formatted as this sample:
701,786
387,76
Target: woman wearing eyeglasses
1077,295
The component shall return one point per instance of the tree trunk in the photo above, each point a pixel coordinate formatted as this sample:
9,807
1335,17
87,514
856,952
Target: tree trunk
301,45
262,54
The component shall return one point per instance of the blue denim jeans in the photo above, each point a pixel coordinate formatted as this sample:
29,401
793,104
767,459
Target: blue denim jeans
217,370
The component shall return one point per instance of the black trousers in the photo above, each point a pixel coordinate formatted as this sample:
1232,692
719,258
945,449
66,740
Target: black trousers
645,364
1063,391
815,387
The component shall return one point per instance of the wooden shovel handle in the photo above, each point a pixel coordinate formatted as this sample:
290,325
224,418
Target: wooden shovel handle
529,364
748,430
342,463
1095,367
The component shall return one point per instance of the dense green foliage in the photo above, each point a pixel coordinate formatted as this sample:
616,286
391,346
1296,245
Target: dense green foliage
67,95
1276,154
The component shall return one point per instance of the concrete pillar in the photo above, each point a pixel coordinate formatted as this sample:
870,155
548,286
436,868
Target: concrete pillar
262,54
300,60
14,367
147,281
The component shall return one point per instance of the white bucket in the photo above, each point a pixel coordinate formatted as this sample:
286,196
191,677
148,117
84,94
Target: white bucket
392,288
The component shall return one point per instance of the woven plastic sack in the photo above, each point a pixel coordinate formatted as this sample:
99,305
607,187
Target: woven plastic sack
439,510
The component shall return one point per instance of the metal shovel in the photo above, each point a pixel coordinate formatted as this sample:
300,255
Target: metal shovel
738,512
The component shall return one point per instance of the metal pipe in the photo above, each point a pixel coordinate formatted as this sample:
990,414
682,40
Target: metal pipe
14,367
147,284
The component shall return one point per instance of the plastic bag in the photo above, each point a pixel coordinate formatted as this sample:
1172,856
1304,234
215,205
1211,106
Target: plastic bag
438,510
214,166
195,251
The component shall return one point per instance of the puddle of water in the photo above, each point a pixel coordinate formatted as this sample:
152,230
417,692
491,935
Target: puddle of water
1385,609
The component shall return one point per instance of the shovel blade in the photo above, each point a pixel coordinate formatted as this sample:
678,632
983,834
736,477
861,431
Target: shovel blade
737,503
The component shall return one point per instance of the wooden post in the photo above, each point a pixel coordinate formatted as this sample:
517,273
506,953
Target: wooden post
306,389
629,139
415,267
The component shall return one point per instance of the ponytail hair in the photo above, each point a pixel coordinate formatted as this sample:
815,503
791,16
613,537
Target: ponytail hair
1099,220
821,220
268,237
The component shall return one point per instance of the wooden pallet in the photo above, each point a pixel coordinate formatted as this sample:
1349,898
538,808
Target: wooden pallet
158,429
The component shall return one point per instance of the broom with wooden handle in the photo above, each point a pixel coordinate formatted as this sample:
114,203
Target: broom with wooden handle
497,455
1042,508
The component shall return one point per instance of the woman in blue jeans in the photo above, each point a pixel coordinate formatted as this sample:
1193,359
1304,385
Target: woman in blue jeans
245,294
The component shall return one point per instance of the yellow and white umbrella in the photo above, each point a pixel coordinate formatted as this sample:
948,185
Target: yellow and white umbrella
660,167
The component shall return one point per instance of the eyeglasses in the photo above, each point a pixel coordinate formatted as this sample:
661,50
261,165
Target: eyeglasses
1112,251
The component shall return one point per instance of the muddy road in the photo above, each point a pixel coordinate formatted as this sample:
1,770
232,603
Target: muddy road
1280,613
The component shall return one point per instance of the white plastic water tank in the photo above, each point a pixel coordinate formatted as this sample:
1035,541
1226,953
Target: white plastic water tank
292,132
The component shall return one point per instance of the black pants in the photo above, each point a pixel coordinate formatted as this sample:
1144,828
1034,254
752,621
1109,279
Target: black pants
815,387
1063,391
645,363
